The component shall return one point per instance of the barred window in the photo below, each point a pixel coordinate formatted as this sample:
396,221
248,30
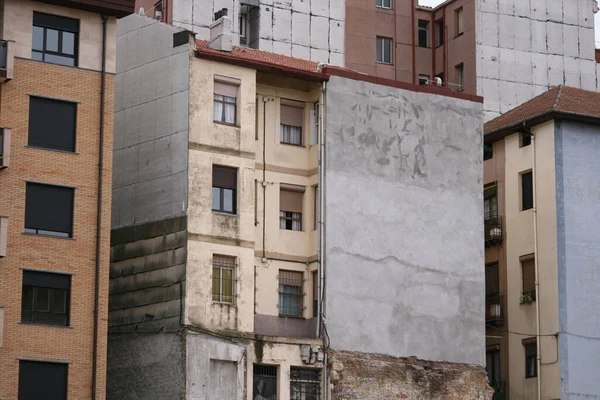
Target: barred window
305,384
265,382
290,293
223,281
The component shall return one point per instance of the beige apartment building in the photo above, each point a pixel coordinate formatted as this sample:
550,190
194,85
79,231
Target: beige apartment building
540,183
57,64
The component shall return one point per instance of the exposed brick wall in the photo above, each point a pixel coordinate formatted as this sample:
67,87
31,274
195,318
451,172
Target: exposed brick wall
359,376
76,256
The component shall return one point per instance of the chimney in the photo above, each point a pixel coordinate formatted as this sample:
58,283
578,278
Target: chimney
221,37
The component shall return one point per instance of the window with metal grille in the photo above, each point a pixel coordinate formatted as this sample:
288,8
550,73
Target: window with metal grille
223,282
530,357
490,201
49,210
45,298
224,189
292,120
52,124
55,39
42,380
290,293
265,382
384,50
305,384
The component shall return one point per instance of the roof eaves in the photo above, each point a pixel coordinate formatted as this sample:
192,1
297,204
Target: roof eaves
500,133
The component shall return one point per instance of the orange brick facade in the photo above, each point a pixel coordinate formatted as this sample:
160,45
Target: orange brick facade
73,344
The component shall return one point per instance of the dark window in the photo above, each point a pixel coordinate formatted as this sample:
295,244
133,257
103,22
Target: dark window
460,77
528,273
384,50
305,384
384,3
423,79
423,33
224,189
265,382
488,151
222,279
45,299
290,293
180,38
490,202
55,39
315,278
524,139
42,380
492,365
49,210
439,32
530,359
492,279
52,124
526,191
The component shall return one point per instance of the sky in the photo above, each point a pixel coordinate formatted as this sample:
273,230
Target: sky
434,3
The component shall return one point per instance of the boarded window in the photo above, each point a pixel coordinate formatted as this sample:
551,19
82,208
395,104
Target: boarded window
223,380
290,206
224,189
49,210
526,191
290,293
52,124
42,380
223,282
292,118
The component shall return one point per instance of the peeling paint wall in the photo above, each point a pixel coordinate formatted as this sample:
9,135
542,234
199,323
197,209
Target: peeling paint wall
525,47
309,29
404,223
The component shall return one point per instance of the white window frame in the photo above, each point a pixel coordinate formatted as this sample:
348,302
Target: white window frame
381,40
387,4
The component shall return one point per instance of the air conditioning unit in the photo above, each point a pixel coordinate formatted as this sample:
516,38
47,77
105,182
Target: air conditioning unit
3,235
4,147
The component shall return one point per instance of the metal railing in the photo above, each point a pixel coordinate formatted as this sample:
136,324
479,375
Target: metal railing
493,230
494,309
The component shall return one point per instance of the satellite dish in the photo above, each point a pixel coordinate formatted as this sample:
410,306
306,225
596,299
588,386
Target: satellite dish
141,11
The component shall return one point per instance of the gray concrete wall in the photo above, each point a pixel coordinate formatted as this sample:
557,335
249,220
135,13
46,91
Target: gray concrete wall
404,223
151,123
578,224
146,367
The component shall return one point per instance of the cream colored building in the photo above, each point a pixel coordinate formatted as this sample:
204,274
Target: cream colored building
537,159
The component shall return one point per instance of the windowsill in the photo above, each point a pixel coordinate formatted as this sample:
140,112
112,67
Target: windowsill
47,236
290,230
424,47
226,124
56,150
384,8
224,213
292,144
222,303
529,209
460,34
45,325
291,316
383,63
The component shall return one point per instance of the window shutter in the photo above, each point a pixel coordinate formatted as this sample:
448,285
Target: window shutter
52,124
292,112
528,275
49,208
47,280
223,261
42,380
224,177
291,200
56,22
225,89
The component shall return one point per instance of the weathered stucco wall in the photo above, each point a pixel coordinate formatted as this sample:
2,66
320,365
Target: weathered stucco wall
404,223
578,180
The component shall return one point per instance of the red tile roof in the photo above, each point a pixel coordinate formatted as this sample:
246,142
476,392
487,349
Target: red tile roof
560,100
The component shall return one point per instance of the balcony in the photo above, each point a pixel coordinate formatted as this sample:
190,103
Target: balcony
494,310
4,148
7,59
493,230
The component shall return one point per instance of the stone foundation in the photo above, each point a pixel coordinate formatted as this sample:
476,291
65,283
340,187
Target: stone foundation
360,376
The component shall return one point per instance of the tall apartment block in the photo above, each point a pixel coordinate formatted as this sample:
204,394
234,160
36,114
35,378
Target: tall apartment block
541,183
284,230
57,64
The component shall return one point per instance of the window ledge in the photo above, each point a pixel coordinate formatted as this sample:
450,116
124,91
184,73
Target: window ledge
226,124
56,150
292,144
47,236
460,34
383,63
45,325
222,303
226,214
292,316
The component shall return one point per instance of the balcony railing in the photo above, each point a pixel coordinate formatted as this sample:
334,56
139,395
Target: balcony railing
493,230
494,310
6,60
4,147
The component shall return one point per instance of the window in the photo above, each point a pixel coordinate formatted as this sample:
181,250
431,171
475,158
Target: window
423,79
225,100
290,293
224,189
158,11
460,77
265,382
384,50
492,279
291,119
290,206
458,21
488,151
222,278
490,201
42,380
530,357
55,39
305,383
524,139
243,26
314,124
526,191
439,32
45,299
423,33
528,271
316,208
492,365
52,124
315,281
384,3
49,210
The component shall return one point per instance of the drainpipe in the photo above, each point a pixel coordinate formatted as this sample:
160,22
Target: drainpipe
414,50
537,270
264,177
321,233
99,211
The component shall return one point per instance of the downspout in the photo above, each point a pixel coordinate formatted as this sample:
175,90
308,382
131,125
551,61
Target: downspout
432,44
395,61
321,255
445,62
320,210
414,50
537,271
99,210
264,177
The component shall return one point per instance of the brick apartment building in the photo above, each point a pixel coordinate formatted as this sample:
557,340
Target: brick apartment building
57,63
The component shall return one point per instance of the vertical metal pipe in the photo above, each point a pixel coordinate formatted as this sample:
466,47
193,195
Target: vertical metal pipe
537,271
322,257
